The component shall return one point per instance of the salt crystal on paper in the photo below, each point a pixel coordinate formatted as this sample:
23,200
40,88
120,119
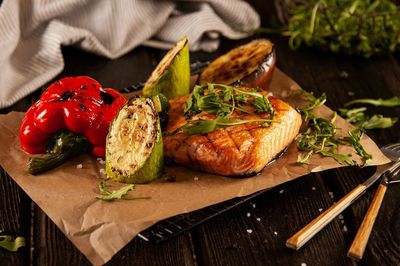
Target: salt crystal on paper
79,166
249,231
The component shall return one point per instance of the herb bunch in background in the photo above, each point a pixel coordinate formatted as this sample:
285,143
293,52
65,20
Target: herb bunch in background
361,27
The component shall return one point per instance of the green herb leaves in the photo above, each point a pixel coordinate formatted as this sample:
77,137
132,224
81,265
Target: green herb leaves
221,101
10,243
320,136
121,193
364,27
391,102
361,120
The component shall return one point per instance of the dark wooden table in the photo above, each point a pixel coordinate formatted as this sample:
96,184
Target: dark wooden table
282,211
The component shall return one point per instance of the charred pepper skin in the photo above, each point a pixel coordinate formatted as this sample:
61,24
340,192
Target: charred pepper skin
77,104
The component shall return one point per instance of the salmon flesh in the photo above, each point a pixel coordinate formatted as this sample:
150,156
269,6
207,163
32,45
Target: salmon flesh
232,150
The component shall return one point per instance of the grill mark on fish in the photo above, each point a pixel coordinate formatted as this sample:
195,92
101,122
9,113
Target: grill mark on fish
234,150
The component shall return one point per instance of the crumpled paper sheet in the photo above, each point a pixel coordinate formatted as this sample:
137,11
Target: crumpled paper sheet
100,229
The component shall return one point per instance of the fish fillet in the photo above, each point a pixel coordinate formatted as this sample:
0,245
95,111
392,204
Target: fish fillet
233,150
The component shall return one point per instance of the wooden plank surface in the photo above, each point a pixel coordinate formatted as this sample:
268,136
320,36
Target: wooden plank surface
277,213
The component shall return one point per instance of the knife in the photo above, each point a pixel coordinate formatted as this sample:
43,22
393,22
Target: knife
357,248
306,233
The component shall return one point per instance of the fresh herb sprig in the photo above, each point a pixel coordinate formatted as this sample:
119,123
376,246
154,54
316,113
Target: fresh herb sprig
121,193
221,101
362,27
321,138
391,102
11,243
360,119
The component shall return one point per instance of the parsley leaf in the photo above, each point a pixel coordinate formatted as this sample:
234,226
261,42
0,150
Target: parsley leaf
10,243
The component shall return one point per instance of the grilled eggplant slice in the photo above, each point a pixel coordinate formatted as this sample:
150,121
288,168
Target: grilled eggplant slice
134,147
249,65
171,77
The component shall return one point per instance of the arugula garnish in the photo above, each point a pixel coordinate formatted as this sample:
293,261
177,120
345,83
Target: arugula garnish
361,120
10,243
320,136
391,102
222,100
122,193
355,136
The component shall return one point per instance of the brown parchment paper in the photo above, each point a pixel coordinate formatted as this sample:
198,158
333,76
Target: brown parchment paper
100,229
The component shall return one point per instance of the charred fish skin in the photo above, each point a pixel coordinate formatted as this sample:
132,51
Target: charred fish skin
240,150
134,148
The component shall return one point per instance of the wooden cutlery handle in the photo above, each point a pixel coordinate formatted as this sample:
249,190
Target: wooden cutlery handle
305,234
360,241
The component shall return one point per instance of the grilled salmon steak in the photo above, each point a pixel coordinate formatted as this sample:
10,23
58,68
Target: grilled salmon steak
243,149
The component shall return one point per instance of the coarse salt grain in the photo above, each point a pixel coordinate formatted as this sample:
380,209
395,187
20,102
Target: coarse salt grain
320,209
341,217
79,166
331,194
281,191
196,178
344,228
313,188
249,231
275,233
258,219
248,214
303,264
254,206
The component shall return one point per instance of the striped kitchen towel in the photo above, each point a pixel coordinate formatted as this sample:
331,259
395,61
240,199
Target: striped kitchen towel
32,32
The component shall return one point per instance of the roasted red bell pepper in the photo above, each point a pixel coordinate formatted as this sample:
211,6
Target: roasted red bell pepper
76,105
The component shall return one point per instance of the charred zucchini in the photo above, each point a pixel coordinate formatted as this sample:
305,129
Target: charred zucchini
248,65
134,149
172,75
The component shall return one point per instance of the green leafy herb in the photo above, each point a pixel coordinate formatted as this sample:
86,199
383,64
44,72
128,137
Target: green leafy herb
122,193
10,243
361,120
355,136
203,126
221,101
362,27
320,136
391,102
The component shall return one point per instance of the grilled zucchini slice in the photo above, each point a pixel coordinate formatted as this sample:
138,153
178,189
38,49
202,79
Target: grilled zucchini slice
134,148
171,77
248,65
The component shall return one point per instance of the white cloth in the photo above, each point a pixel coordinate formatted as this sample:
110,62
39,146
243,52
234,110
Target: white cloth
32,32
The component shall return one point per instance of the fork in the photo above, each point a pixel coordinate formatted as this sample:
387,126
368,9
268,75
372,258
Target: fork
357,248
316,225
